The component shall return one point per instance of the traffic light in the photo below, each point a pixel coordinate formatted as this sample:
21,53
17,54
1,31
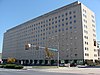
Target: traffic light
26,47
37,47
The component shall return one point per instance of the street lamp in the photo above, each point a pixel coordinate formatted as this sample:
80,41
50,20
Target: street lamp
58,55
57,51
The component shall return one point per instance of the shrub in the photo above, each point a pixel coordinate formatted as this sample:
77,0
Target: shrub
19,67
12,66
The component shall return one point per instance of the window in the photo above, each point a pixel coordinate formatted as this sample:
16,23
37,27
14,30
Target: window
46,28
66,28
93,21
74,12
85,31
66,23
59,21
62,15
86,37
85,48
74,27
49,23
59,25
66,14
62,24
95,50
49,28
52,22
84,10
75,54
70,27
62,19
55,17
49,19
66,18
59,30
86,54
94,35
56,26
70,22
52,19
74,16
52,27
55,30
70,17
44,25
70,12
62,29
93,25
95,55
93,30
55,21
74,21
46,20
92,16
94,43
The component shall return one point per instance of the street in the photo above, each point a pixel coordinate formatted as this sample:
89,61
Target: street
53,71
29,72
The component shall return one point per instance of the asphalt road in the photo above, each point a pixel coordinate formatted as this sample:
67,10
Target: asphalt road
30,72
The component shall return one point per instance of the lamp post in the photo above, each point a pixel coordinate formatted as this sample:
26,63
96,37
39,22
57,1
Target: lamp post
58,55
57,50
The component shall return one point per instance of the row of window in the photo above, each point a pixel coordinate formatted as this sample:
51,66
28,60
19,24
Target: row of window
85,26
51,19
86,43
85,31
84,15
87,54
84,10
86,37
85,21
86,48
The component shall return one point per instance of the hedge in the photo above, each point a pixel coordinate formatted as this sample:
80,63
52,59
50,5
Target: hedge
11,66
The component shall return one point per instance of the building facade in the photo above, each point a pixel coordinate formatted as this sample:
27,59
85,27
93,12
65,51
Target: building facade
98,46
72,26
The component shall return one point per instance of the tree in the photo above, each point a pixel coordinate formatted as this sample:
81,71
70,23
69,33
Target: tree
11,60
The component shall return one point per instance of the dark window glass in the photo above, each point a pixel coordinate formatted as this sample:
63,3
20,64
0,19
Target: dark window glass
62,15
59,20
66,18
66,14
62,19
70,27
94,43
74,16
70,22
66,23
66,28
74,21
70,17
70,12
62,29
55,17
62,24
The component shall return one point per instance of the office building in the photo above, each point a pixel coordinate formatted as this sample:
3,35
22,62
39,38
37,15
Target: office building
71,28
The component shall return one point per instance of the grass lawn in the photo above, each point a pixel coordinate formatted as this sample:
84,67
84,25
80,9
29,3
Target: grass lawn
44,67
